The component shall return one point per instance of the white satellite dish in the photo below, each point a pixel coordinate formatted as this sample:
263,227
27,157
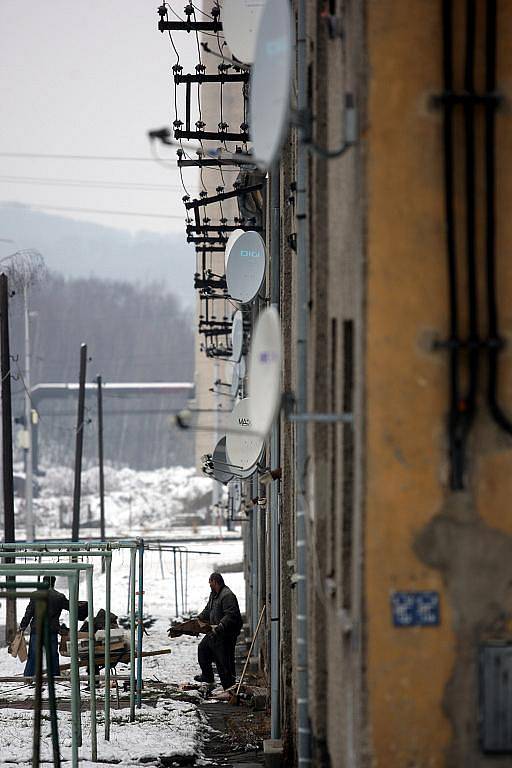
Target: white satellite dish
243,446
221,470
245,267
237,376
271,81
237,336
264,383
240,22
235,381
231,239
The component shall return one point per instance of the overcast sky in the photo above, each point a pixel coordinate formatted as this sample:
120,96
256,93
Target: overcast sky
89,78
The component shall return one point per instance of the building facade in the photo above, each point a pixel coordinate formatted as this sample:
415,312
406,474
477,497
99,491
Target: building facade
391,507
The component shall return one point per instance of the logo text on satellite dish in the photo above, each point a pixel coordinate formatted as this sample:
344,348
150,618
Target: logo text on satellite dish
244,421
268,357
277,46
246,253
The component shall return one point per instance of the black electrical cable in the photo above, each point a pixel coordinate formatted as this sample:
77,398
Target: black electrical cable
494,341
469,127
456,447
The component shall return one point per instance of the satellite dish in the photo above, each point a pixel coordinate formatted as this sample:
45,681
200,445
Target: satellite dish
235,381
231,239
271,81
221,469
237,336
237,376
240,22
245,267
243,447
235,491
264,383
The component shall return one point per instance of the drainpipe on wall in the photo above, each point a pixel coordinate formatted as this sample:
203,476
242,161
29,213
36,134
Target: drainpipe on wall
255,559
301,523
275,461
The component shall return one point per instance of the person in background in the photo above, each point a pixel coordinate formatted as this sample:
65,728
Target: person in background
57,602
223,614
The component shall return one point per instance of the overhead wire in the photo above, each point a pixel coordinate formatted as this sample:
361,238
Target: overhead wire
72,209
89,183
55,156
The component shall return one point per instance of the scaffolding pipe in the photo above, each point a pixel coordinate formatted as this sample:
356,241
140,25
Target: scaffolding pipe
71,571
106,556
275,461
133,554
140,625
92,669
108,587
175,582
302,282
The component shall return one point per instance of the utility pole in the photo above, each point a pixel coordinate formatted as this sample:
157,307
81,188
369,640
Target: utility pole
100,465
5,370
216,492
79,444
29,512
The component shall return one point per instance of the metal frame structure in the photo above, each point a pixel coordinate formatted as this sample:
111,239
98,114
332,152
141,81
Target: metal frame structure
103,550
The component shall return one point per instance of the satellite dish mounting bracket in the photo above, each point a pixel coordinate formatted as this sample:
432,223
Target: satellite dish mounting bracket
288,403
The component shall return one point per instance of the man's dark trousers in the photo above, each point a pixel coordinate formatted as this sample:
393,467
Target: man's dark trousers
218,648
30,667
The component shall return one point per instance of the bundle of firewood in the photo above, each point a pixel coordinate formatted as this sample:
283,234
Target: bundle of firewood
192,627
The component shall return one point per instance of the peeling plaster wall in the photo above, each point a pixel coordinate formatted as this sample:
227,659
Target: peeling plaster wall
422,682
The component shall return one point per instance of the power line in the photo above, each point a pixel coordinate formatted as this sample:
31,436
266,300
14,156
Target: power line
33,206
95,183
114,158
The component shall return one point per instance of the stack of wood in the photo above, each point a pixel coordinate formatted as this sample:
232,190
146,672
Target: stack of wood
193,627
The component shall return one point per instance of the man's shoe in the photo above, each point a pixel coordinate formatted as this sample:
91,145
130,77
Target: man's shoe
202,679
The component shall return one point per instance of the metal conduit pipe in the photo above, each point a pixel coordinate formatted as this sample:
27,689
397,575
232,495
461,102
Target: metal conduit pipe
275,461
495,342
301,552
455,430
255,563
469,128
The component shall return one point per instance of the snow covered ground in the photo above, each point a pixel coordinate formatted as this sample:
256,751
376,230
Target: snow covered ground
139,503
171,727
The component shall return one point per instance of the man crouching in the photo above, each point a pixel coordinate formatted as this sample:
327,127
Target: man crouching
218,646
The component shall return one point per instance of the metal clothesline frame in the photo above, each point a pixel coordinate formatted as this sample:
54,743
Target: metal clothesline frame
103,549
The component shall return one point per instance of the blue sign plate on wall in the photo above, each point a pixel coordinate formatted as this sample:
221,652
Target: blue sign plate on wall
415,609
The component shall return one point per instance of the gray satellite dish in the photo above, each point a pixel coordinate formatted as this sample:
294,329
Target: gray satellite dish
271,81
237,376
231,239
221,469
245,267
243,447
235,381
237,336
240,22
264,381
235,491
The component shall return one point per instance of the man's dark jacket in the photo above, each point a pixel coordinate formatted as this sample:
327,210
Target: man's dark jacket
57,602
222,609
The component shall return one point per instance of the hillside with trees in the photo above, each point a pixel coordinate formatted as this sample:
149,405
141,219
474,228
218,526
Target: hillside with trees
133,334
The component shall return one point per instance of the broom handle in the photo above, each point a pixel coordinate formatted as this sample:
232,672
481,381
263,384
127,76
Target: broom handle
250,651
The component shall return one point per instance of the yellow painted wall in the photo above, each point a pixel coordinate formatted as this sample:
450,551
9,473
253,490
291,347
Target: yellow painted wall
415,675
406,384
